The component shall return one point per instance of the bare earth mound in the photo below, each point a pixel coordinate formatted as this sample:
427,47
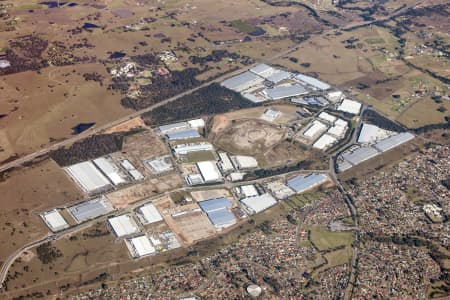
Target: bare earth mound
247,136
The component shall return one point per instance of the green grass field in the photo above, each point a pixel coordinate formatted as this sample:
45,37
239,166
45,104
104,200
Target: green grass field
194,157
325,240
243,26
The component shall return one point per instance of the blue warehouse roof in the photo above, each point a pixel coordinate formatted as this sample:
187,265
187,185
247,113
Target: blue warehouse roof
221,217
299,183
215,204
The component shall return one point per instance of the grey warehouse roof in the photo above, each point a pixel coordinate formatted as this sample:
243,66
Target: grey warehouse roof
261,68
360,155
173,126
299,183
90,209
313,82
280,92
240,79
278,76
393,141
185,134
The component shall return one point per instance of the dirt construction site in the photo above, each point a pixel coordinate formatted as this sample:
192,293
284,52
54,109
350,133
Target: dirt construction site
248,137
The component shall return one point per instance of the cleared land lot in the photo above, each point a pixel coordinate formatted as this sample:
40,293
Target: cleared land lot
124,197
189,224
250,137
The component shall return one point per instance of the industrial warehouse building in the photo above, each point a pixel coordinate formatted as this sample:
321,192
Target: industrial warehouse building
242,81
242,162
335,96
248,190
303,183
140,246
218,212
311,81
196,123
173,127
54,220
359,155
91,209
270,114
88,177
285,91
263,70
254,205
350,106
123,225
370,134
183,135
325,142
209,171
184,149
339,129
393,141
225,162
315,129
356,156
110,170
327,117
132,171
149,214
160,165
279,189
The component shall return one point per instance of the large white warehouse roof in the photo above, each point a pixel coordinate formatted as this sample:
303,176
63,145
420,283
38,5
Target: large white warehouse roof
324,142
209,171
244,162
257,204
327,117
187,148
123,225
88,177
313,82
54,220
371,133
109,169
315,129
350,106
263,70
338,129
149,213
249,190
142,245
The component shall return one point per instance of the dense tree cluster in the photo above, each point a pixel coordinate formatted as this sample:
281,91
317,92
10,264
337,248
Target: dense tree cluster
372,117
24,54
262,173
89,148
164,87
94,76
47,253
215,56
213,99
